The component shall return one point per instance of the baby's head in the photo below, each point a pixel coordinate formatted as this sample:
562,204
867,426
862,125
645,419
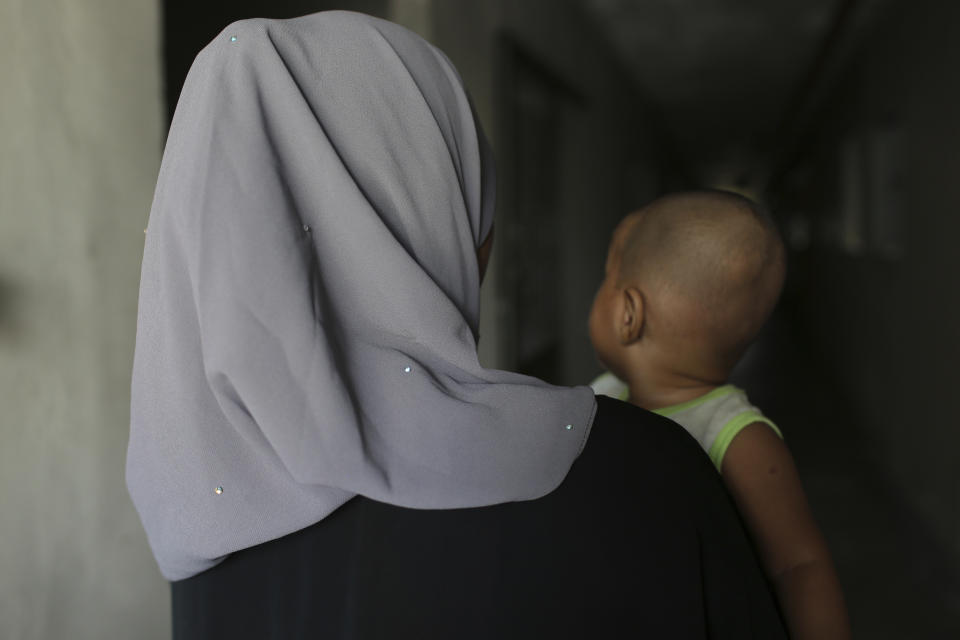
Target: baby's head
690,280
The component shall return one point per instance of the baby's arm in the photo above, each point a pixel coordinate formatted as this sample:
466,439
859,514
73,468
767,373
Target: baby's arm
759,472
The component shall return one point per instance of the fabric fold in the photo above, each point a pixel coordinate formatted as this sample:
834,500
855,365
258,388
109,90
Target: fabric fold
309,299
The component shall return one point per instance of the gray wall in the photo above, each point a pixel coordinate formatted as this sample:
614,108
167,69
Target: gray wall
81,127
887,318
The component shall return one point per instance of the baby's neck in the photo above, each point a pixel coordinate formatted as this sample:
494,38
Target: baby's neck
656,390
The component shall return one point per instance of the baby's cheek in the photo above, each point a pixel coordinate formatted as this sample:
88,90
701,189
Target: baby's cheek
592,324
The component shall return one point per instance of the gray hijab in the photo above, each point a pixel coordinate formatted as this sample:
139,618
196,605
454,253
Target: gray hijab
309,299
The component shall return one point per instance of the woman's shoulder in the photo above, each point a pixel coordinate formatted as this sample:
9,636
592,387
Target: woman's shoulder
663,446
638,540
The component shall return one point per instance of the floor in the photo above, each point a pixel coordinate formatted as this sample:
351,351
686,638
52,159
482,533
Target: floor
897,583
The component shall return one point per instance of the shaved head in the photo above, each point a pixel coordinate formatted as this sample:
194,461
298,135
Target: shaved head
712,265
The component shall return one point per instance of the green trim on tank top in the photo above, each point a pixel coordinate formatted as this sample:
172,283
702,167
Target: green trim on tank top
730,431
719,392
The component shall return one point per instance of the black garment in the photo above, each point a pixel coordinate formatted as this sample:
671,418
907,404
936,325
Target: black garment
641,540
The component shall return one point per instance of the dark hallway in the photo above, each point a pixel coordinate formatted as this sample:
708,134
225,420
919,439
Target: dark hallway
859,363
842,117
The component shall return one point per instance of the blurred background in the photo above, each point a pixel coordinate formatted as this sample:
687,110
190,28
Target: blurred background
842,115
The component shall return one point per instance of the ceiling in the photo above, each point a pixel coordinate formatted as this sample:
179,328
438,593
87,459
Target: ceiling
723,72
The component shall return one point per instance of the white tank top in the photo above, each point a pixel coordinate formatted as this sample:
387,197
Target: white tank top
714,419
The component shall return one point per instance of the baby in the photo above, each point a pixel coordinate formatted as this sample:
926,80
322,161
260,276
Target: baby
690,280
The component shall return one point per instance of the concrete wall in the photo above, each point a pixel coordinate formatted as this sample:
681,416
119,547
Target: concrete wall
886,317
81,125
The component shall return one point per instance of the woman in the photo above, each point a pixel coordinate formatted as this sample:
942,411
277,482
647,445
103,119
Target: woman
306,381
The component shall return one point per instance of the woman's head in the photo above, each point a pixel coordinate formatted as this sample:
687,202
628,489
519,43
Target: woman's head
366,132
309,302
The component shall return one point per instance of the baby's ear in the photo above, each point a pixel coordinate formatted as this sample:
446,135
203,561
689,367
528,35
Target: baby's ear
632,316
